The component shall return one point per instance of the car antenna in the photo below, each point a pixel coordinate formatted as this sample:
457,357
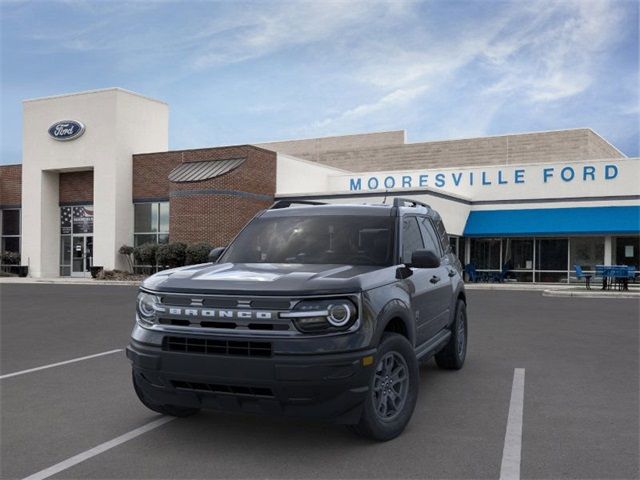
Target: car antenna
384,201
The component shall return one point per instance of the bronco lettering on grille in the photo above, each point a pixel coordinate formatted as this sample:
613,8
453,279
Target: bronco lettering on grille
215,313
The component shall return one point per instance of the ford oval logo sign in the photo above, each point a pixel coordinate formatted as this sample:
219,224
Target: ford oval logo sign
66,130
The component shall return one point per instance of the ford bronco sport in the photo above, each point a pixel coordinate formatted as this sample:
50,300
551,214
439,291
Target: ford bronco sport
313,310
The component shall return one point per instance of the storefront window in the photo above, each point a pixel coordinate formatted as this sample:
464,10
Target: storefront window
552,256
10,236
518,253
151,223
587,252
627,251
146,217
76,240
485,253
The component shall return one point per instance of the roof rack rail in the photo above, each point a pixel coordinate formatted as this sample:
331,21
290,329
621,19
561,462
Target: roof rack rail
288,203
401,202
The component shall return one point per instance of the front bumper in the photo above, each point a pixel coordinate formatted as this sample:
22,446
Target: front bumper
324,386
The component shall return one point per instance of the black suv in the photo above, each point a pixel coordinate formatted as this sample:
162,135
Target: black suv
313,310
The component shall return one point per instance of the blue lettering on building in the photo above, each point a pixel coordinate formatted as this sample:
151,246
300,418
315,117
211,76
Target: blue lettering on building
389,182
518,175
589,171
567,174
610,172
355,184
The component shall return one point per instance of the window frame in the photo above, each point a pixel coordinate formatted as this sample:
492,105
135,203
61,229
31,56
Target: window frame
401,233
158,232
3,236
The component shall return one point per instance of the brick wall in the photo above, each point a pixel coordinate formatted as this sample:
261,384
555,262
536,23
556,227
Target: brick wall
10,185
314,148
211,210
76,187
558,146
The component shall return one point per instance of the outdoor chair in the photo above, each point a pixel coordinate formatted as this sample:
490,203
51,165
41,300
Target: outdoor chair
470,270
500,276
580,275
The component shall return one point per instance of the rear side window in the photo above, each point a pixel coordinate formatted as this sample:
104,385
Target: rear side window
442,234
431,240
411,238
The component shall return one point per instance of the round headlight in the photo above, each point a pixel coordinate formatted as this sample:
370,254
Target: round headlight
339,314
146,306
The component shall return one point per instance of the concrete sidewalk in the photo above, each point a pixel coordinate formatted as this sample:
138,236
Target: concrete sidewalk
67,281
548,290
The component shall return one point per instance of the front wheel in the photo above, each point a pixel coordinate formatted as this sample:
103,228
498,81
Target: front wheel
393,390
172,410
452,356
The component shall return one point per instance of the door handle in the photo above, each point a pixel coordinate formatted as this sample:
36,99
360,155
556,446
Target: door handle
434,279
452,273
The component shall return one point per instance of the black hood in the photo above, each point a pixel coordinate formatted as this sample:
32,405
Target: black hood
270,279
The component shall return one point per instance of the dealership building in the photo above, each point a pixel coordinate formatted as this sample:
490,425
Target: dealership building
96,174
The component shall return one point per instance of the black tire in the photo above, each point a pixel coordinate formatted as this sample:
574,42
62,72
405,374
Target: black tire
382,426
172,410
452,356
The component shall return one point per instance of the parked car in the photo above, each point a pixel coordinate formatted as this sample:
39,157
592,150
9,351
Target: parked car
313,310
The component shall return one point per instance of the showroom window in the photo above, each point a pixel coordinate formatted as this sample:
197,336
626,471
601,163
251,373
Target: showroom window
626,251
552,259
485,253
587,252
10,239
517,254
151,223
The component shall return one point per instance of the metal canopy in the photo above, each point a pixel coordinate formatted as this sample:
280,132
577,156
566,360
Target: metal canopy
197,171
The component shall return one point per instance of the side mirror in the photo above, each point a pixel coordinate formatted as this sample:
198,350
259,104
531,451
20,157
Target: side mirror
214,254
424,259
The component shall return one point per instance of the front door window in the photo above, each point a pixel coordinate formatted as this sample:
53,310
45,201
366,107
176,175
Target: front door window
81,255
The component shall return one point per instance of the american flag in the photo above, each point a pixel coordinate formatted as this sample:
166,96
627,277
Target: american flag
65,220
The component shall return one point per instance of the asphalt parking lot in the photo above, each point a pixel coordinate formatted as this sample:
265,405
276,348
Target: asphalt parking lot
580,410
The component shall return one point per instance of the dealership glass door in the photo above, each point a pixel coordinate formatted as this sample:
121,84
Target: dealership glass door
82,255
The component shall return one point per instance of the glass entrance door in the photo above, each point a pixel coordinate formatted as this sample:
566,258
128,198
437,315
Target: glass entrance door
81,255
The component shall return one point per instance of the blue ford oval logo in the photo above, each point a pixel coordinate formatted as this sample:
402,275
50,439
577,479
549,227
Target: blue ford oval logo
66,130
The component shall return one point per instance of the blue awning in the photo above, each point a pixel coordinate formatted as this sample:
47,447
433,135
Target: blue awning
554,221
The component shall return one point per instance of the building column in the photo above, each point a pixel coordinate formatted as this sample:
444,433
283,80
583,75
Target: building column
40,222
608,250
467,251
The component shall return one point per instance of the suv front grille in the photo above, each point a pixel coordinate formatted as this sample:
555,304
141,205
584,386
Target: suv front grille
229,389
208,346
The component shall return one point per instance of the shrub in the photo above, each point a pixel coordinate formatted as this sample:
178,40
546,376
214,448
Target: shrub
10,258
198,253
171,254
145,254
127,251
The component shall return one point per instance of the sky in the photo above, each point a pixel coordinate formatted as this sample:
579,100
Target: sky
248,72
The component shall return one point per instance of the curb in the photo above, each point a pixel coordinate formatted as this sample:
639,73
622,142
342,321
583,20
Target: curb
118,283
587,294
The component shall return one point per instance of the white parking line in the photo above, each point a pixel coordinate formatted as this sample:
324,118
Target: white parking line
511,454
103,447
73,360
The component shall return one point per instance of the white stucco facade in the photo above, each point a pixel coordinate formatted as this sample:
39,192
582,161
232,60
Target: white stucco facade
118,124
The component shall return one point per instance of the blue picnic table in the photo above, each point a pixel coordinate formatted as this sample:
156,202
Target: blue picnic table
615,275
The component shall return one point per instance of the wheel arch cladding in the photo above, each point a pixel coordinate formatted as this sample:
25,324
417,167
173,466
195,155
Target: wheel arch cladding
396,317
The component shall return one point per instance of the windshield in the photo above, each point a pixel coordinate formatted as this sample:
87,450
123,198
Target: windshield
349,240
